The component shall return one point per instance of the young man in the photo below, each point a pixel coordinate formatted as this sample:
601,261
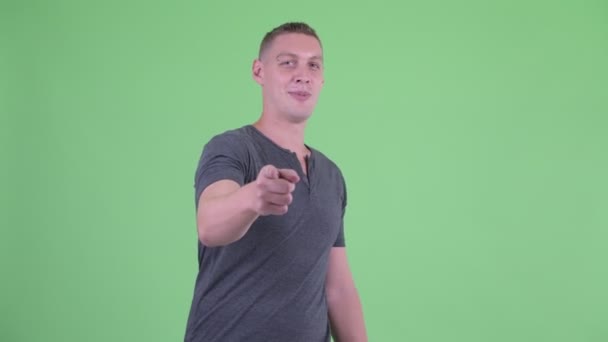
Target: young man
270,210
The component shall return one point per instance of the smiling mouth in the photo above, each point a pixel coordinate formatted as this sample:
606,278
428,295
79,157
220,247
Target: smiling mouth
300,95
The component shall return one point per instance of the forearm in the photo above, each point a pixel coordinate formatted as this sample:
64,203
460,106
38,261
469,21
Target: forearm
346,315
225,219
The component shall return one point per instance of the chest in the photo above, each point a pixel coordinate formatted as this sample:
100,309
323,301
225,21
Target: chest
314,218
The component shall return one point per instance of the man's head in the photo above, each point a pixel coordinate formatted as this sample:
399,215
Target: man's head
292,27
290,70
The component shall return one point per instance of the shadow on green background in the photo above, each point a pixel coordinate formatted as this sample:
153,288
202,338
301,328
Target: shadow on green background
472,136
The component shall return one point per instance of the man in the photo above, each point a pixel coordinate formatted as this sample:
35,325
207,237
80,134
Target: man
270,210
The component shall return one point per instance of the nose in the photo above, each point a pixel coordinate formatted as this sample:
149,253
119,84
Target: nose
302,76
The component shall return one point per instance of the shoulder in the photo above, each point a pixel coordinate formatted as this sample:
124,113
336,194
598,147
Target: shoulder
232,141
235,136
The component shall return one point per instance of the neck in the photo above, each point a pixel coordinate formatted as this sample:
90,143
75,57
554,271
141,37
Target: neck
285,134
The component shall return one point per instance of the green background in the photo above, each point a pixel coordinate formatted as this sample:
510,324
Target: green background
473,136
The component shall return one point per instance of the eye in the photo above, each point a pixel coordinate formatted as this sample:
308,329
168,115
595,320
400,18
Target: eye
315,66
288,63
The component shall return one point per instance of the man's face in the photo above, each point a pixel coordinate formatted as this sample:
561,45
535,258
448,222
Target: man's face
291,75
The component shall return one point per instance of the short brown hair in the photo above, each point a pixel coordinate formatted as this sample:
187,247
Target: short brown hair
290,27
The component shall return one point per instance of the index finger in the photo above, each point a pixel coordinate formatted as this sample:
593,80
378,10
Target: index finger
289,175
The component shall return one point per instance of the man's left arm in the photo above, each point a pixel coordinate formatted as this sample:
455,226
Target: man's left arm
345,310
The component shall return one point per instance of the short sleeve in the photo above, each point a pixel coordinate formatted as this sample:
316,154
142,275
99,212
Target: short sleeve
224,157
340,240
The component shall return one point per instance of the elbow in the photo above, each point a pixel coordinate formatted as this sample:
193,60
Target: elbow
206,241
205,237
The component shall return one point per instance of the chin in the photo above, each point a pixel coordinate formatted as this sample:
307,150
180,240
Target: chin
299,117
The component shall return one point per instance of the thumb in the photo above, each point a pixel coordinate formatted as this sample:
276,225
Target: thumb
289,175
270,172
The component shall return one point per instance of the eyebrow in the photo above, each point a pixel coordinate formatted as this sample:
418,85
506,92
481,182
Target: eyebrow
289,54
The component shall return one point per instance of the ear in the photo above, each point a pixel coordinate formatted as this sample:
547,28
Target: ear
257,72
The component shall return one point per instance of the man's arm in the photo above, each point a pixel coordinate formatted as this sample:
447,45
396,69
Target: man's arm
226,210
345,311
224,213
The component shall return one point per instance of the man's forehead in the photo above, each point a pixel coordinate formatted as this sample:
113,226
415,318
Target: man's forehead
296,43
290,54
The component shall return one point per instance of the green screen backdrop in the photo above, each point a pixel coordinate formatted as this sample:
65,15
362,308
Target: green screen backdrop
473,137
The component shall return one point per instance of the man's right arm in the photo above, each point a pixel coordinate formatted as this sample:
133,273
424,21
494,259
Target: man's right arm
224,213
226,210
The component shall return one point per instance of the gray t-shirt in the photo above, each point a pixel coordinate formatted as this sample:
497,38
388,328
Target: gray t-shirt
270,284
